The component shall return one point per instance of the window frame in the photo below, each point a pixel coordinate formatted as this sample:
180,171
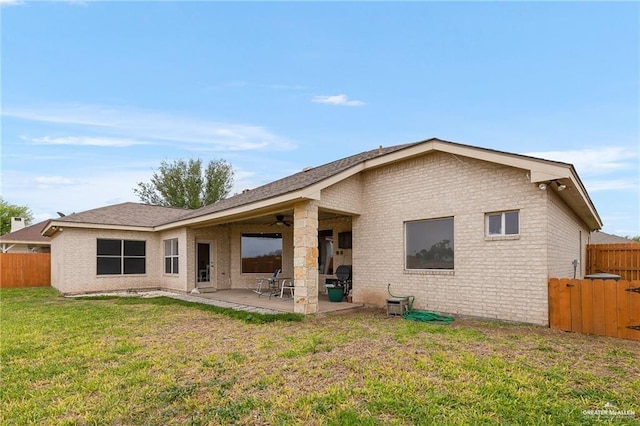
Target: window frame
451,242
127,255
503,224
171,259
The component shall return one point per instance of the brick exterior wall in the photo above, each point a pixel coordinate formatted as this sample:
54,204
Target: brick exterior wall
502,278
74,260
344,196
567,239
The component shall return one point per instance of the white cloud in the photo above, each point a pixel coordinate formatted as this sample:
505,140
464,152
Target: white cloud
12,2
86,141
594,161
47,182
612,185
337,100
126,123
48,194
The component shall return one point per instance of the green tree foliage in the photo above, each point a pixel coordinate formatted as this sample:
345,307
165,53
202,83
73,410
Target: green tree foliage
187,184
7,211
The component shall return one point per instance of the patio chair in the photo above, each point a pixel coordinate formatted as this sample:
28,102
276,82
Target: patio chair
267,284
287,284
343,273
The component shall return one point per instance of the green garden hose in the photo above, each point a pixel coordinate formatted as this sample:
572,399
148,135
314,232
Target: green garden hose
421,316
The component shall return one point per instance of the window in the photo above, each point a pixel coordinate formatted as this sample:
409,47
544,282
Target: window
503,223
171,256
345,240
116,257
261,253
429,244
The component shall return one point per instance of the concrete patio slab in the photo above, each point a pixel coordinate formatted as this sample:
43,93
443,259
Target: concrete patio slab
248,297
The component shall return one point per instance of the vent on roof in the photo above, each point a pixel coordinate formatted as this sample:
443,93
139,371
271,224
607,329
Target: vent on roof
244,191
306,169
380,149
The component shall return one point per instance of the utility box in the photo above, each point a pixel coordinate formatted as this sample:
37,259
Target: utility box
397,305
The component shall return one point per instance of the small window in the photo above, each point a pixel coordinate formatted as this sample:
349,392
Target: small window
171,256
345,240
429,244
117,257
503,223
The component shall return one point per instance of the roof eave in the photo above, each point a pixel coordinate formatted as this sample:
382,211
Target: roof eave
54,227
39,243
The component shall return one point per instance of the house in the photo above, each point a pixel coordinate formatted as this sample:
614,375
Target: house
466,230
25,239
599,237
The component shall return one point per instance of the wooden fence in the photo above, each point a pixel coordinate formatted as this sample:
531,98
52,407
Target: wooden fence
602,307
25,270
620,259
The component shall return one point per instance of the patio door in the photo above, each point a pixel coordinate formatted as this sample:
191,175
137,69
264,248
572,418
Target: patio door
204,264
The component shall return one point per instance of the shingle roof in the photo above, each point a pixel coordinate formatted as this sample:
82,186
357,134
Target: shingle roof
31,234
126,214
144,215
295,182
604,238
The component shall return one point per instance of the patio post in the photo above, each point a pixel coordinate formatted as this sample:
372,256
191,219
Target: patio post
305,257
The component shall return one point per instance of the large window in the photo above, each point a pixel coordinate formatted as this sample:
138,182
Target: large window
503,223
429,244
116,257
261,253
171,256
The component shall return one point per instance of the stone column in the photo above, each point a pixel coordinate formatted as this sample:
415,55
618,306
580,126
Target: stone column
305,257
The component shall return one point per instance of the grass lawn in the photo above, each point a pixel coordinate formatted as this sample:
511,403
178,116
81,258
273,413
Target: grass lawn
159,361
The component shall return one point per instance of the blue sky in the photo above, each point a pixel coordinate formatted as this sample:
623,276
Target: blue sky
96,94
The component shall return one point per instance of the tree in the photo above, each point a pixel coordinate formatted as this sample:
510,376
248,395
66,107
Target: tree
7,211
185,184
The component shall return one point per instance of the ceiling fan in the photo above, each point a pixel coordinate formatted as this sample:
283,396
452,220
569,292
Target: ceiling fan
280,221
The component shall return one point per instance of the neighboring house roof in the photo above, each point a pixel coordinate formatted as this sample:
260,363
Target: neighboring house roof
604,238
29,235
308,183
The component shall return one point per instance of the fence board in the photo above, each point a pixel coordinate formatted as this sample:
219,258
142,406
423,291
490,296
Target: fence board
634,312
25,270
610,309
598,305
586,302
559,307
601,307
623,307
575,294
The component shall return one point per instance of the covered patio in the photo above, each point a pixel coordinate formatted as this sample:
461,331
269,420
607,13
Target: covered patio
249,298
